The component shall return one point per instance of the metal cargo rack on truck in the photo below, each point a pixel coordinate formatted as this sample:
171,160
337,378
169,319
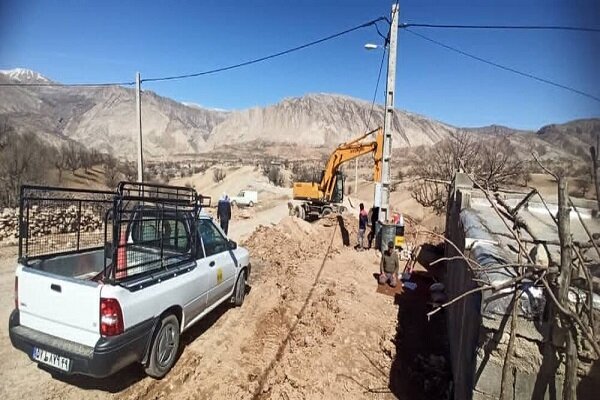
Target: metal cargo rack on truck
138,233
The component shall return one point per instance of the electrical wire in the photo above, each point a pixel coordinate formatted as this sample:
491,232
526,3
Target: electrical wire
257,60
509,69
376,87
500,27
53,84
385,45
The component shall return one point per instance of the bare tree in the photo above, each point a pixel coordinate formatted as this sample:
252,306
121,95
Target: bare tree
60,162
86,160
275,176
492,161
23,159
111,172
6,130
71,154
219,174
129,171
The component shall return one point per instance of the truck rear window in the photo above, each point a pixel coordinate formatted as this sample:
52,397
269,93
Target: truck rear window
170,233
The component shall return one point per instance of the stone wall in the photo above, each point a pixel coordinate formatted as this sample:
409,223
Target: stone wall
48,221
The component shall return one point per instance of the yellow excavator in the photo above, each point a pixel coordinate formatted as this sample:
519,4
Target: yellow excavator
325,197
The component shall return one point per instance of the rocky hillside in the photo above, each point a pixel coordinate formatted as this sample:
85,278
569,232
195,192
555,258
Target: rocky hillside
575,137
104,118
323,120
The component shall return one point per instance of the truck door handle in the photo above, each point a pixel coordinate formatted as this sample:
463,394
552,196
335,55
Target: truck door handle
56,288
212,264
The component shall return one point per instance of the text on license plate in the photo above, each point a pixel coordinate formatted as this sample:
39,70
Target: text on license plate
51,359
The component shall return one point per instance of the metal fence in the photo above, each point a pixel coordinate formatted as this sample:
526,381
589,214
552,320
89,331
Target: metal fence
142,228
154,228
58,221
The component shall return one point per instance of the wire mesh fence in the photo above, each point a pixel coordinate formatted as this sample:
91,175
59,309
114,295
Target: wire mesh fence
154,227
141,228
55,221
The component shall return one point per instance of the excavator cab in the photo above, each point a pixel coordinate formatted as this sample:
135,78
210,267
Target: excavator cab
338,191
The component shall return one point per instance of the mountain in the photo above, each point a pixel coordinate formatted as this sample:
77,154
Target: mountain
105,118
576,137
24,75
323,120
500,130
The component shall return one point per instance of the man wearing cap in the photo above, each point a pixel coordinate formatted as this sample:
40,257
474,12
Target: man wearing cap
389,266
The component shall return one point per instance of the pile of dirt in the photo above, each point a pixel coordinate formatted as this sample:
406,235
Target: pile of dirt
286,244
296,227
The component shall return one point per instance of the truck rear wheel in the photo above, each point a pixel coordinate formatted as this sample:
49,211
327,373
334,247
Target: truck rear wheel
163,352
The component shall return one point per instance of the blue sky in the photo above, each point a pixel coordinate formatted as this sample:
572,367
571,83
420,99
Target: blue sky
91,41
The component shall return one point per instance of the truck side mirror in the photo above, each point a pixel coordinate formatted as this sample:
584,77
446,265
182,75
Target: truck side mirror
232,245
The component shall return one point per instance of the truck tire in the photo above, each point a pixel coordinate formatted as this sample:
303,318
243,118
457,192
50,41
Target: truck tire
326,211
240,290
300,213
251,204
165,346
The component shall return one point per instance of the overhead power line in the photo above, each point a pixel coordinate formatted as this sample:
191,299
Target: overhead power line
257,60
376,87
501,27
504,67
54,84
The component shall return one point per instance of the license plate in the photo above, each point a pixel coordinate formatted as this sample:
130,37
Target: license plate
51,359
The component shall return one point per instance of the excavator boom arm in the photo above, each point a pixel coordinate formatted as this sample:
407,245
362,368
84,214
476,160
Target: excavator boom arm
349,151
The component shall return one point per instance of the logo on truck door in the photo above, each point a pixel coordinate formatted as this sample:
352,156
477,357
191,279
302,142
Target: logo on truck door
219,275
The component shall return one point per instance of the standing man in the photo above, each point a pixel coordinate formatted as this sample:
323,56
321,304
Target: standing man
224,212
363,221
389,266
374,216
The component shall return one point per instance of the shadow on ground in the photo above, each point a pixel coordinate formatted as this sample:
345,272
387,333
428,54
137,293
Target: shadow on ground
420,369
134,373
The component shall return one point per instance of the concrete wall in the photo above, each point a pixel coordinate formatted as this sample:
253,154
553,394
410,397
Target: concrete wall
479,327
463,319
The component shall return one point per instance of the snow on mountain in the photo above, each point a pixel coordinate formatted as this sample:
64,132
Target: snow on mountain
24,75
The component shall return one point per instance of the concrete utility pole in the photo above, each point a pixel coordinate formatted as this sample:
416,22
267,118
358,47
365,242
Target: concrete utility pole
138,102
384,189
355,176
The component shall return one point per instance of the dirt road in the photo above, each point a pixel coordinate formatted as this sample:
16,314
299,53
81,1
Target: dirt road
312,327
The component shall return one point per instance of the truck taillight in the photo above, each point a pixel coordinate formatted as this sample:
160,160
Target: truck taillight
16,292
111,317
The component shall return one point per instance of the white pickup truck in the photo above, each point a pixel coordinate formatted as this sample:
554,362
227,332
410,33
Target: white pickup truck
91,307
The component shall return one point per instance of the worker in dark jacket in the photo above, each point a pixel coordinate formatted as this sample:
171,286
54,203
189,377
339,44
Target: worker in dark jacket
224,212
363,220
389,266
373,217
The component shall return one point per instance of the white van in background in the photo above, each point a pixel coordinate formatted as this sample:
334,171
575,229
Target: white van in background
245,198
